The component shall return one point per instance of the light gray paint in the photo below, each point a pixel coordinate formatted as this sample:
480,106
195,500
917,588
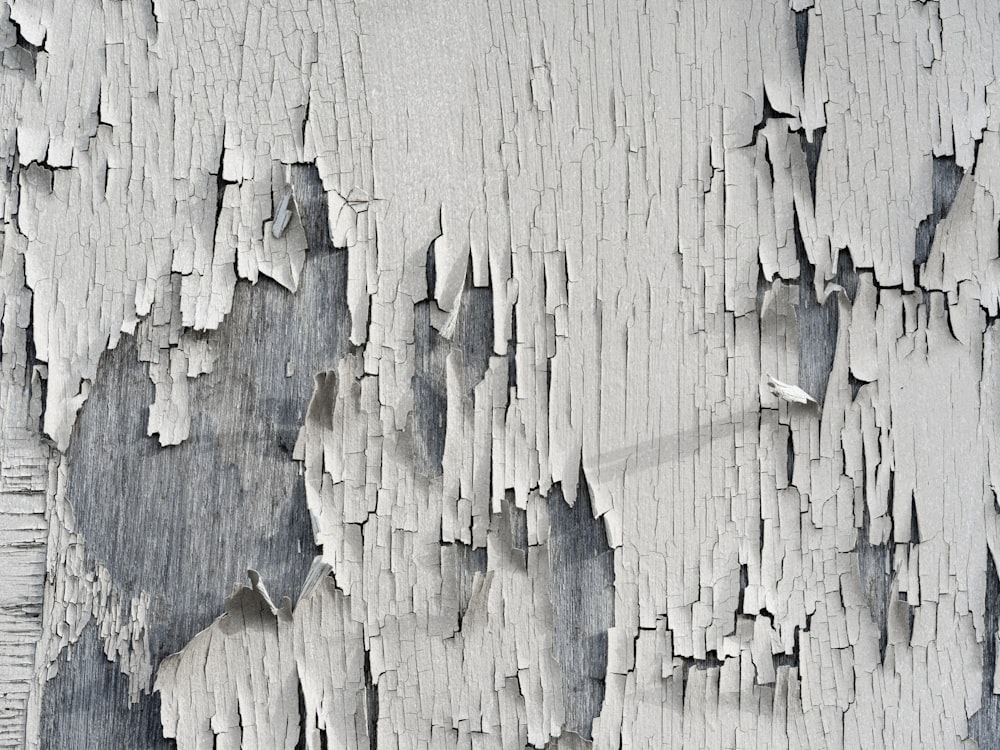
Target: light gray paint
488,397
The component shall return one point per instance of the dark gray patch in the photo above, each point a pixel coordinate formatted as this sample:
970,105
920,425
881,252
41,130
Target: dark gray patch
371,696
583,603
947,177
847,275
430,393
184,523
818,326
984,725
802,38
473,342
91,696
875,566
811,150
470,561
474,333
517,519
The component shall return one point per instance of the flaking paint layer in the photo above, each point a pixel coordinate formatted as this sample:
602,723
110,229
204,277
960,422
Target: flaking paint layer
676,212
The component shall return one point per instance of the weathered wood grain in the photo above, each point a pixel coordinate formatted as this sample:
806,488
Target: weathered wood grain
584,374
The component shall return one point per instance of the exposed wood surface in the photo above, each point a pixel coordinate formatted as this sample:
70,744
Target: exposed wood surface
489,375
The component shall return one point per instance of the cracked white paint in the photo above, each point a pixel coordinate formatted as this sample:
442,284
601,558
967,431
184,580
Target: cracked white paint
787,392
600,167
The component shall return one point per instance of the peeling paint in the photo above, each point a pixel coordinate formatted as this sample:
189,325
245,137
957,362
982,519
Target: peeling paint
724,279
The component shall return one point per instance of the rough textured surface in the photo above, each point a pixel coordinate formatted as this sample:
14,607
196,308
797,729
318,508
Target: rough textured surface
584,374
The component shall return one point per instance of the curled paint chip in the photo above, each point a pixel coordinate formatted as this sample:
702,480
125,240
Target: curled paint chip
791,393
282,216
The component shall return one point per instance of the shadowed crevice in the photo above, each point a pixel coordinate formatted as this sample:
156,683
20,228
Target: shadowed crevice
802,38
371,697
